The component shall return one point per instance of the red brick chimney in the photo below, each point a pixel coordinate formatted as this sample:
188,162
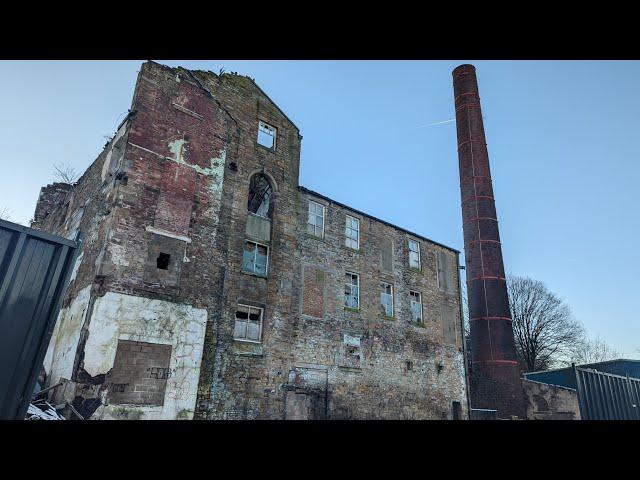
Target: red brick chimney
495,377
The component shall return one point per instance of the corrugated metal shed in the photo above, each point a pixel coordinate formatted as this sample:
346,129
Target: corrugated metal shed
34,271
566,377
603,396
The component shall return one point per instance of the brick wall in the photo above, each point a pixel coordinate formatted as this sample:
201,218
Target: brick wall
139,374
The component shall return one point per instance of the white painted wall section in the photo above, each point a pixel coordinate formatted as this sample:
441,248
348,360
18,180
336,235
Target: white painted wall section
125,317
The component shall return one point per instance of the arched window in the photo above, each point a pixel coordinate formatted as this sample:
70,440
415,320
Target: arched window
260,192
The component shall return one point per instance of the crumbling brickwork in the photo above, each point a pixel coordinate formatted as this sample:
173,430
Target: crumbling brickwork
242,305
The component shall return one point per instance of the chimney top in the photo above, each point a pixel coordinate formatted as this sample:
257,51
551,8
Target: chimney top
463,69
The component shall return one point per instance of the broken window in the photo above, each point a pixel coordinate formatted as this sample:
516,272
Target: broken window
255,258
386,298
315,224
352,351
162,261
351,290
248,325
352,233
416,306
266,135
414,254
260,192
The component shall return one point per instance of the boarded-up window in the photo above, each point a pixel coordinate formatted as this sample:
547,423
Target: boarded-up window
448,320
139,374
258,228
386,254
313,292
445,272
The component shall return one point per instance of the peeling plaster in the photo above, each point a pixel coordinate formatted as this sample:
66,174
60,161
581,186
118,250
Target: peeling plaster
61,353
217,163
118,316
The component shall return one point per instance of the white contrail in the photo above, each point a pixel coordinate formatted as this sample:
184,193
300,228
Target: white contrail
437,123
440,123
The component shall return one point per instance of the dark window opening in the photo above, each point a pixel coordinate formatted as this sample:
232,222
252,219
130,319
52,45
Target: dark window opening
409,365
260,192
457,410
353,352
163,261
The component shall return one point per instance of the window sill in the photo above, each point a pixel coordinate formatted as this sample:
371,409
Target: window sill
419,324
351,309
387,317
268,149
315,237
349,368
253,274
349,249
244,340
414,269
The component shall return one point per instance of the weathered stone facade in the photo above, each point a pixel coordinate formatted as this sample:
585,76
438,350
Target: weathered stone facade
176,311
543,401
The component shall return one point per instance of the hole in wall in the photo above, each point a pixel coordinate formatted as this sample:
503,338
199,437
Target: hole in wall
162,261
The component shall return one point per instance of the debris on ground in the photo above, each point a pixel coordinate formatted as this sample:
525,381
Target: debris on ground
42,410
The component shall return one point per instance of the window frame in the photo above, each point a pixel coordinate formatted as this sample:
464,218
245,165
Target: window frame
262,126
357,275
315,214
266,268
382,282
254,178
411,301
235,318
347,228
409,242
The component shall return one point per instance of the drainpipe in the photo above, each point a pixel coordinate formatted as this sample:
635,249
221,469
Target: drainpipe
464,343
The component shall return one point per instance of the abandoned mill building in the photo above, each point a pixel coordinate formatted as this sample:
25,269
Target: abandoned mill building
211,285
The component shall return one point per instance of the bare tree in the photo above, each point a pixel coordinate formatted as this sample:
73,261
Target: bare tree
65,173
5,213
545,332
594,351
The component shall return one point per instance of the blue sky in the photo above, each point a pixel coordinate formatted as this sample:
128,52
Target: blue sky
561,138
